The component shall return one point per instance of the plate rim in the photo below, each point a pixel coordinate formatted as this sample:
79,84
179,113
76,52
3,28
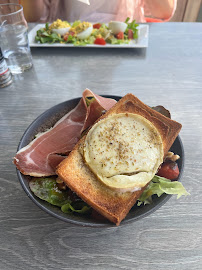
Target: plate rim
68,219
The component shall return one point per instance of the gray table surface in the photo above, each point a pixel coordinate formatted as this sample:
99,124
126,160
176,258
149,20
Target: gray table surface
168,72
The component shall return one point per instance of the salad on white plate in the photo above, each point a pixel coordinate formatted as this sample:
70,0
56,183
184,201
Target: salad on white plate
81,33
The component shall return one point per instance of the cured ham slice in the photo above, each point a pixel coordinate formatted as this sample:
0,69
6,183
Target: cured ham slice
41,157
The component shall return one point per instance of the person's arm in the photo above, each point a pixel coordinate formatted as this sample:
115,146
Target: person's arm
33,9
162,9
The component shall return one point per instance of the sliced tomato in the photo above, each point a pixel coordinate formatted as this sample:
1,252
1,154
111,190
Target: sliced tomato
120,35
130,34
169,170
97,25
100,41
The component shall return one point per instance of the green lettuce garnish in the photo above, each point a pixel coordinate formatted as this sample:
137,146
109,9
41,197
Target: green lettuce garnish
114,41
71,39
47,26
77,207
76,23
82,42
133,26
44,35
160,185
47,189
104,26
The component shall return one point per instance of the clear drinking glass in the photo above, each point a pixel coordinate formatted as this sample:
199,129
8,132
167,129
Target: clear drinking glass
14,38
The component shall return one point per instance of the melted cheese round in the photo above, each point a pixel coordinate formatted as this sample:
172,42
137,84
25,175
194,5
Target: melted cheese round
124,151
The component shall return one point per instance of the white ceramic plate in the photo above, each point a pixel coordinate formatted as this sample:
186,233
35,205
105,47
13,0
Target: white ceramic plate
142,41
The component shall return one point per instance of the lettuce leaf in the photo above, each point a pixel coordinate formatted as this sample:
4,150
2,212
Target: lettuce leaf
47,189
47,26
81,208
133,26
76,23
114,41
160,185
44,35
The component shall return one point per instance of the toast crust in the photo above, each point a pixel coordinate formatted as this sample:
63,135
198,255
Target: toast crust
114,205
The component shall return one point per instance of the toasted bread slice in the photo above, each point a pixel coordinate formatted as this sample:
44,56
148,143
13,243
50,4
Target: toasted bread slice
112,204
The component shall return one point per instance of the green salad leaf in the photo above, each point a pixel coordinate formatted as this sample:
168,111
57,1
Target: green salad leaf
44,35
47,189
114,41
160,185
103,25
47,26
133,26
80,208
71,39
127,19
76,23
84,42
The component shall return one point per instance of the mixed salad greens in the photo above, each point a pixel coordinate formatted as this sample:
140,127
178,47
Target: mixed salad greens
47,189
160,185
82,33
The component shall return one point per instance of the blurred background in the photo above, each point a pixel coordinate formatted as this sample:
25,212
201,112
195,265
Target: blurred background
186,11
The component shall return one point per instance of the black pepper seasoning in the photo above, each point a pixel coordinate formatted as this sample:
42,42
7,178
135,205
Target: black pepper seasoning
5,74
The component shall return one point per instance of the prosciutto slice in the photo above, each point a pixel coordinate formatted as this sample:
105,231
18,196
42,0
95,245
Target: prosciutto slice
41,157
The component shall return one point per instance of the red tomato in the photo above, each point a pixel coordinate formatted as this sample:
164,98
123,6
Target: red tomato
97,25
67,35
120,35
100,41
169,170
71,33
130,34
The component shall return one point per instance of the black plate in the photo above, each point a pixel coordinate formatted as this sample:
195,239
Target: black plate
47,120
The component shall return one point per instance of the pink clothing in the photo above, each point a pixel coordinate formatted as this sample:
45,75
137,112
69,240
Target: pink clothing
97,11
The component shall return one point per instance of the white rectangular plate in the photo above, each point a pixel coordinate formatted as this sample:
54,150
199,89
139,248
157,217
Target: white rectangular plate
142,41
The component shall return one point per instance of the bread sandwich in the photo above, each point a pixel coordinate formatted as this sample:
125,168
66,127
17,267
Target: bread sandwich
112,164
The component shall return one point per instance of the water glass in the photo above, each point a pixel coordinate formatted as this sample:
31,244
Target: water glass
14,38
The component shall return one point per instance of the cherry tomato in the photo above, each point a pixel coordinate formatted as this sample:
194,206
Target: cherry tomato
120,35
97,25
130,34
169,170
100,41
